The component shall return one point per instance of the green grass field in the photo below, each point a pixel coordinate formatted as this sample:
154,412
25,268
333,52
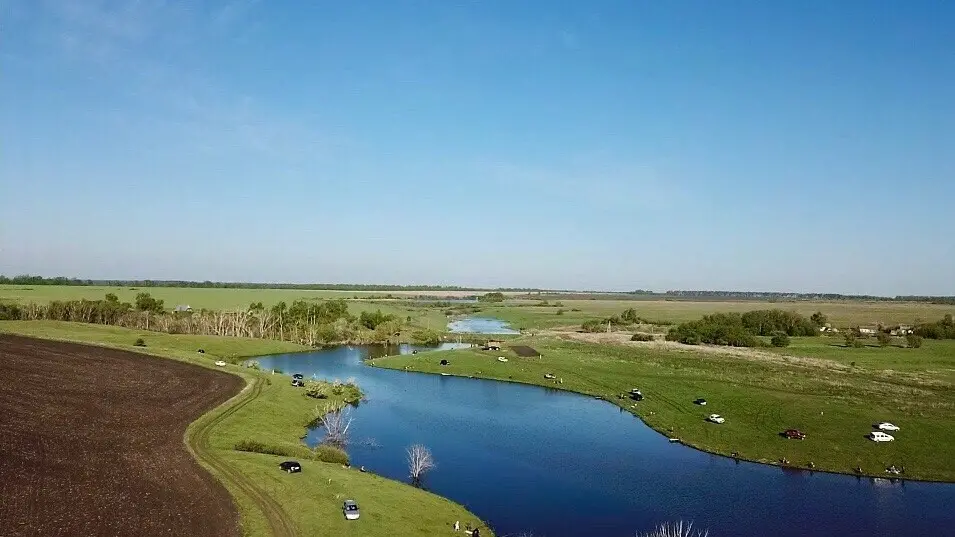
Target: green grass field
760,396
278,415
847,313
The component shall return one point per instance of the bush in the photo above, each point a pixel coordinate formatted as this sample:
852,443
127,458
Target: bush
780,339
716,329
913,340
767,322
255,446
641,337
317,389
139,343
857,343
593,326
327,453
9,312
884,339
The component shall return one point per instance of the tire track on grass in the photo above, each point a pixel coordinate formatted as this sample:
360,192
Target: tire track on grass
198,441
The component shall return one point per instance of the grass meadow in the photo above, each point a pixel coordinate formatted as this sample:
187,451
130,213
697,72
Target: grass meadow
760,393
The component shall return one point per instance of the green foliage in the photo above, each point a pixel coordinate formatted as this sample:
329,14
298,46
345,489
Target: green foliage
145,302
914,341
327,453
884,339
630,316
943,329
426,337
373,320
559,312
9,312
318,389
641,337
255,446
851,338
492,297
594,326
767,322
139,343
819,319
717,329
858,344
780,339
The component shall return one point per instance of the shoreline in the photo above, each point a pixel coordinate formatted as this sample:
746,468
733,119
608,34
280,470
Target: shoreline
661,431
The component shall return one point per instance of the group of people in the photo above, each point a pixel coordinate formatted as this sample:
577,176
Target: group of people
476,532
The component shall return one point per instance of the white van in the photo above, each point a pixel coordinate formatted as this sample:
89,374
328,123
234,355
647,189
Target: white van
879,436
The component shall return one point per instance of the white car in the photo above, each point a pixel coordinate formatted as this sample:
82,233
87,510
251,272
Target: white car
886,426
716,418
879,436
220,363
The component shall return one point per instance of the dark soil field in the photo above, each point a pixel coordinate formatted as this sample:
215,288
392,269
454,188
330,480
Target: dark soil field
92,443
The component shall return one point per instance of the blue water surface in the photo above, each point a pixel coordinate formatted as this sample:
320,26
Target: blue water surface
531,459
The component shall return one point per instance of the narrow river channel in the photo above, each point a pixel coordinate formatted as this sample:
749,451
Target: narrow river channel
531,459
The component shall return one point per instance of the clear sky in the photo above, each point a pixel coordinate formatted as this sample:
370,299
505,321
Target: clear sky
786,146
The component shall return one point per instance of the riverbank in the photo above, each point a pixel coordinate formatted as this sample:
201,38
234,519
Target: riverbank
833,402
270,410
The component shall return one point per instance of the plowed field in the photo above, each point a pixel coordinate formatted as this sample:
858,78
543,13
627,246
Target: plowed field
91,443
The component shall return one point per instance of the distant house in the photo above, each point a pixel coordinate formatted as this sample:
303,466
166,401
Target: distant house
867,331
182,308
493,345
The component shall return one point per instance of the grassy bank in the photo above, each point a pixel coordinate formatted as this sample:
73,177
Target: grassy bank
272,411
760,393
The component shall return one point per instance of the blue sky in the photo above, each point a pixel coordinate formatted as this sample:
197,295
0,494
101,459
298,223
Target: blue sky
800,146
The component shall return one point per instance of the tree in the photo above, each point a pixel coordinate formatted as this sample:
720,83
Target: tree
145,302
819,319
420,462
914,341
337,423
850,337
883,339
111,298
492,297
780,339
630,316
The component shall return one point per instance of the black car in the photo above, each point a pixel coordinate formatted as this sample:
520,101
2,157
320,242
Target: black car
298,376
700,401
298,383
291,467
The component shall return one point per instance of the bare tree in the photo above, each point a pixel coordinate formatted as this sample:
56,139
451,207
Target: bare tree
420,462
337,422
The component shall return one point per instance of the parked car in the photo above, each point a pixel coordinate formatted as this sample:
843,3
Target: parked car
350,509
700,401
794,434
298,376
636,394
292,467
298,383
886,426
715,418
879,436
220,363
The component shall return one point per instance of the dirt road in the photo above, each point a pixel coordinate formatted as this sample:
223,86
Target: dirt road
92,443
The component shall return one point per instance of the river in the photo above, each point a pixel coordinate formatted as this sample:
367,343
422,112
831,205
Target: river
531,459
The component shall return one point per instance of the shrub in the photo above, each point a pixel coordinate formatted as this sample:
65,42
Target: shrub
857,343
327,453
884,339
139,343
913,340
717,329
641,337
317,389
780,339
559,312
766,322
255,446
850,337
593,326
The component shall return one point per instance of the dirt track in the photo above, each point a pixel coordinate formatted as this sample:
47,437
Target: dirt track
92,443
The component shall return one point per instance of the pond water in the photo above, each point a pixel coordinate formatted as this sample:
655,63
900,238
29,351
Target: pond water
480,325
558,464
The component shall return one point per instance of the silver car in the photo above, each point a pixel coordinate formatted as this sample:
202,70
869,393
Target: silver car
350,508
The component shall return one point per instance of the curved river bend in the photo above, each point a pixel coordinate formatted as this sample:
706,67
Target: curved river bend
559,464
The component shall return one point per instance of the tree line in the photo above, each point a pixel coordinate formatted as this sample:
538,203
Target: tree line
304,322
741,330
27,279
